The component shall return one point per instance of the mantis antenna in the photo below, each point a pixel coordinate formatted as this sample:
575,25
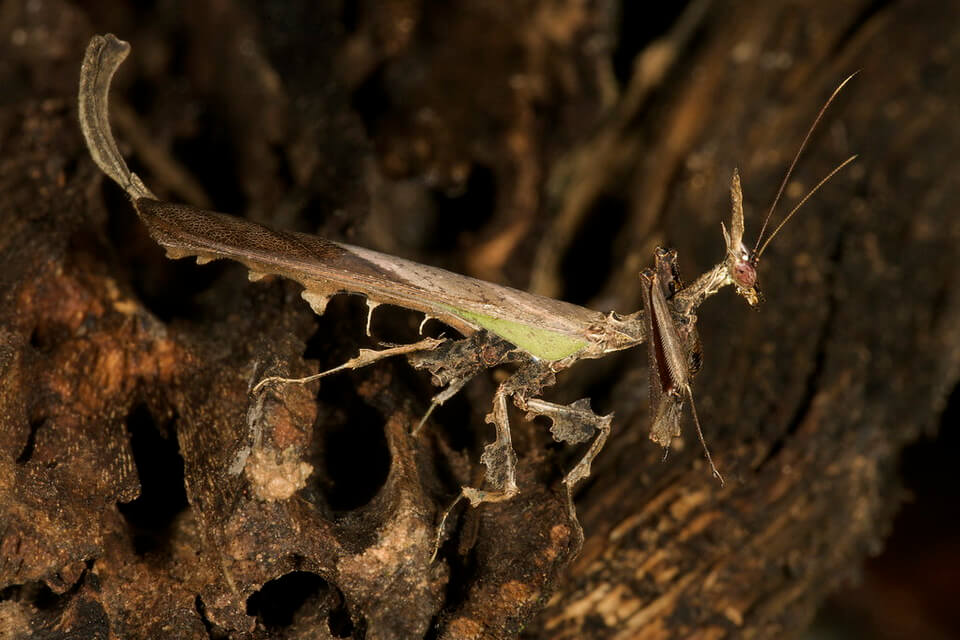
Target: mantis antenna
758,249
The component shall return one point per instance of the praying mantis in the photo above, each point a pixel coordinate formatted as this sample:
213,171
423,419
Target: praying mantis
538,336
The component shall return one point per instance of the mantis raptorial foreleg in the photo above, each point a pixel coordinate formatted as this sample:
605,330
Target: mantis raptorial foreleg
540,334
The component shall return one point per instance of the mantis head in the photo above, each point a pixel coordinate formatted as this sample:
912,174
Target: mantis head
740,262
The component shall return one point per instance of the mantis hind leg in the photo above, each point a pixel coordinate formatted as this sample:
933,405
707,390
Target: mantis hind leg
364,358
500,460
498,457
574,423
457,362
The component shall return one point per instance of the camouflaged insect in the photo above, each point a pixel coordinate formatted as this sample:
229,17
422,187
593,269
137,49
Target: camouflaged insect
539,335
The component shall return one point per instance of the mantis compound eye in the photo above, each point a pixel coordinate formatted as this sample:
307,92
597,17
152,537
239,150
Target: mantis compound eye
744,274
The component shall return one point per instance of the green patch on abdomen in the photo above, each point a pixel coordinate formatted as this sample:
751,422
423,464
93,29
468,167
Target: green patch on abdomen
537,341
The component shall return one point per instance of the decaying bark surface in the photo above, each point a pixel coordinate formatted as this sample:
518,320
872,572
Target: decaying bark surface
144,492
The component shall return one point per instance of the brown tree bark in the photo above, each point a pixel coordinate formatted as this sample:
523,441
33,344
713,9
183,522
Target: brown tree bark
144,492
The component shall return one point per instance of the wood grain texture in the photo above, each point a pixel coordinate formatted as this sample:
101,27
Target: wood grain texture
380,128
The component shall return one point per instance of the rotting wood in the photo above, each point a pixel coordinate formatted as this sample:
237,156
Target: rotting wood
845,373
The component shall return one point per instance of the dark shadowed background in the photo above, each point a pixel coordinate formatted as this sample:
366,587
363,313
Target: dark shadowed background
546,144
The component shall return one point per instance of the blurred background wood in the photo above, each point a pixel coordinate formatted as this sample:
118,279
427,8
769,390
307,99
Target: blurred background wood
544,144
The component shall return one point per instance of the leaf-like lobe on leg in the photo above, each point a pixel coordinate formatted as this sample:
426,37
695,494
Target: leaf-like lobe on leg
573,423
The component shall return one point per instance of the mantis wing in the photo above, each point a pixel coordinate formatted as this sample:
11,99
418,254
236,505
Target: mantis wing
545,328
